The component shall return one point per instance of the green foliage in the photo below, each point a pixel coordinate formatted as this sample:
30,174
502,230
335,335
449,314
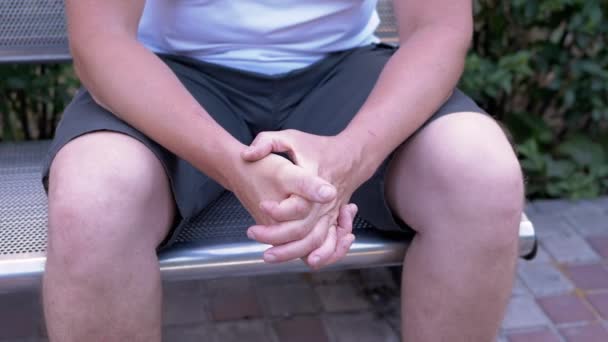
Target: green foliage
542,68
32,98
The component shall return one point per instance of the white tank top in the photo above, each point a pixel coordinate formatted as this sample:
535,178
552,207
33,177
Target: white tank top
264,36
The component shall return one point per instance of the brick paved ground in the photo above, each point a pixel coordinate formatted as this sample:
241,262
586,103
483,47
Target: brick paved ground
560,296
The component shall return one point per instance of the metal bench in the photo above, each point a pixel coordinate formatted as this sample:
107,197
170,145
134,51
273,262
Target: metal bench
213,245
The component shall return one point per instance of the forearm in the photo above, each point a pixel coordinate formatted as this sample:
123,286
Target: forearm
134,84
415,82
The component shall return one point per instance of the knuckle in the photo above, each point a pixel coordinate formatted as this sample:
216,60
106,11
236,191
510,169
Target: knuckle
301,207
262,136
276,212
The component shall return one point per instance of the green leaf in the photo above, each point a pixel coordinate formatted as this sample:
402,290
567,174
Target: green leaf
582,150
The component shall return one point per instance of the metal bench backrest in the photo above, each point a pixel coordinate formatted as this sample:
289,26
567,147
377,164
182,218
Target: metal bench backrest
35,30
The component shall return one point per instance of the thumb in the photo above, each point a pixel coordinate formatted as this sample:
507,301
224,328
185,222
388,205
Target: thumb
313,188
264,144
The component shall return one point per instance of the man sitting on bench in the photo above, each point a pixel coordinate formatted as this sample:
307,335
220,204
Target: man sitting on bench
184,99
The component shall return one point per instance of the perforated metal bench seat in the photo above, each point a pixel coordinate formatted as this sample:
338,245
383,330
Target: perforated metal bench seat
213,245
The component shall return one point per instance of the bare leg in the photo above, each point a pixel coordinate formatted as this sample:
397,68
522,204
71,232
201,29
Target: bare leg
459,185
109,206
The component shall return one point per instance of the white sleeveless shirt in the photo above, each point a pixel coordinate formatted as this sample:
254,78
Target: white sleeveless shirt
264,36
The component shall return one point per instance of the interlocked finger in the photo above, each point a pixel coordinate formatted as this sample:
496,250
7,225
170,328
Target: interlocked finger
293,208
300,248
282,232
317,258
342,243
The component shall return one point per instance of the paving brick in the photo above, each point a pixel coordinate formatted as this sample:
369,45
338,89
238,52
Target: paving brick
541,257
235,306
380,288
600,303
184,302
189,333
501,338
543,335
232,299
584,207
524,312
250,331
519,288
589,224
589,277
281,279
587,333
20,315
363,327
378,277
601,202
300,329
566,308
569,247
182,309
552,206
342,297
290,299
600,245
547,225
185,287
530,208
568,207
544,279
332,277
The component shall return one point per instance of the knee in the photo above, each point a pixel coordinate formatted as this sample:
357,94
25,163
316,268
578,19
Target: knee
83,191
479,178
98,203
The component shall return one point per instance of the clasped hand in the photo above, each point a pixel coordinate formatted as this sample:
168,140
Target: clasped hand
301,208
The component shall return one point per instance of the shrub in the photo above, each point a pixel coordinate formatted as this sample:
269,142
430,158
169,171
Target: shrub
32,98
541,67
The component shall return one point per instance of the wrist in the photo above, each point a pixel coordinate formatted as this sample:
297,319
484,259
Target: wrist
230,167
364,162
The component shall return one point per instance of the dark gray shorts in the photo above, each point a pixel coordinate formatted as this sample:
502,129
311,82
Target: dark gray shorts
320,99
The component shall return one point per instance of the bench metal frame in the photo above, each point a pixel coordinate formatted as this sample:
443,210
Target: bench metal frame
214,245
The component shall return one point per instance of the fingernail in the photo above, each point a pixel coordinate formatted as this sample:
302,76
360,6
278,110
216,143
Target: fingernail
269,257
250,234
326,191
315,259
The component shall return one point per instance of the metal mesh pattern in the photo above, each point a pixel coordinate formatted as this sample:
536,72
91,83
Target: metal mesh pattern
32,23
23,206
387,31
227,220
23,209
